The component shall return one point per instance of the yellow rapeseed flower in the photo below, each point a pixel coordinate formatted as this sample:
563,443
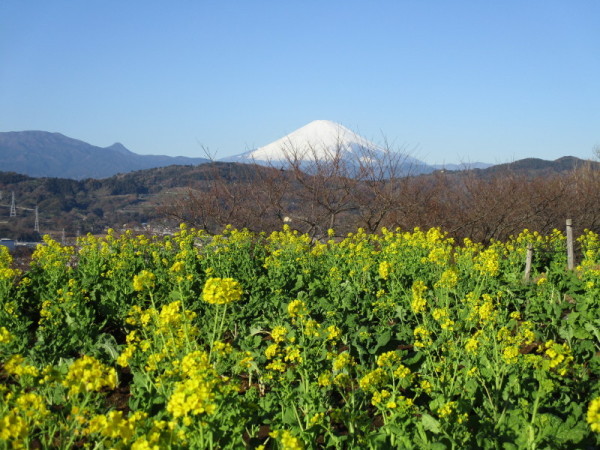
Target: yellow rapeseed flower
276,365
292,353
426,386
380,396
510,354
114,425
16,366
384,270
297,308
388,359
324,379
488,262
221,348
272,351
144,444
422,336
402,371
278,333
13,427
448,279
126,355
220,291
177,267
342,361
145,280
193,397
287,440
593,415
559,356
312,328
333,332
418,300
473,342
87,374
372,380
446,409
316,419
341,379
32,405
5,336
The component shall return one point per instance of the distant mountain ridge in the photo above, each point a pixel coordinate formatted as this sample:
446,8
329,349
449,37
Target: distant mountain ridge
45,154
537,166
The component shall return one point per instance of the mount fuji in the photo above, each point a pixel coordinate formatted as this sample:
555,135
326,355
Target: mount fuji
326,141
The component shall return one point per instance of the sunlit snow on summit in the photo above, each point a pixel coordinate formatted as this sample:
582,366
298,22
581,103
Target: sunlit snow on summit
320,140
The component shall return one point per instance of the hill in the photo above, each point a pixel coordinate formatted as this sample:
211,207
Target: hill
44,154
534,167
91,205
493,201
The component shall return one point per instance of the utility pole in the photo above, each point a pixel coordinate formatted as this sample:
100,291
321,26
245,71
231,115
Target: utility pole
13,207
36,226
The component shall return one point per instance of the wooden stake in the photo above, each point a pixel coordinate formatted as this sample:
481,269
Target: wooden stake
570,252
528,260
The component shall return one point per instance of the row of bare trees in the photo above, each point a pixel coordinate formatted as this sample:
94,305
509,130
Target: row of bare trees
314,194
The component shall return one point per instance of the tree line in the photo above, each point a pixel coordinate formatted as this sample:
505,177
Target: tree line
314,195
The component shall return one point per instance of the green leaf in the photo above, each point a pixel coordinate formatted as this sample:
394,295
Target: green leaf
289,417
592,329
299,283
430,423
108,343
581,333
572,430
382,340
566,332
378,440
174,296
158,399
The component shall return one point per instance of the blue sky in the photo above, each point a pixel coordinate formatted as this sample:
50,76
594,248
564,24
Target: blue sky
447,81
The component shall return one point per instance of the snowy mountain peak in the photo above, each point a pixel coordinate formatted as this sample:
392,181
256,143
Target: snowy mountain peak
324,140
320,139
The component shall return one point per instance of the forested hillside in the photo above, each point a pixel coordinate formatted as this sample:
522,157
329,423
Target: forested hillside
483,204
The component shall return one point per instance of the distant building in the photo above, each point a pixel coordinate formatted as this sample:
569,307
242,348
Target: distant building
10,243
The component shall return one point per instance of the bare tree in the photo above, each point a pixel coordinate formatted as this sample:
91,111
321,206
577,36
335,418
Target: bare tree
382,178
318,188
322,189
230,193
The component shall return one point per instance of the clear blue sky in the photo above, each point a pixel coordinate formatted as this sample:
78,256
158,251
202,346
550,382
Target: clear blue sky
449,81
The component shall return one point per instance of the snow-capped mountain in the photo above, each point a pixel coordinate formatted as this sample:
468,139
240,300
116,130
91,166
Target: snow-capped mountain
322,141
